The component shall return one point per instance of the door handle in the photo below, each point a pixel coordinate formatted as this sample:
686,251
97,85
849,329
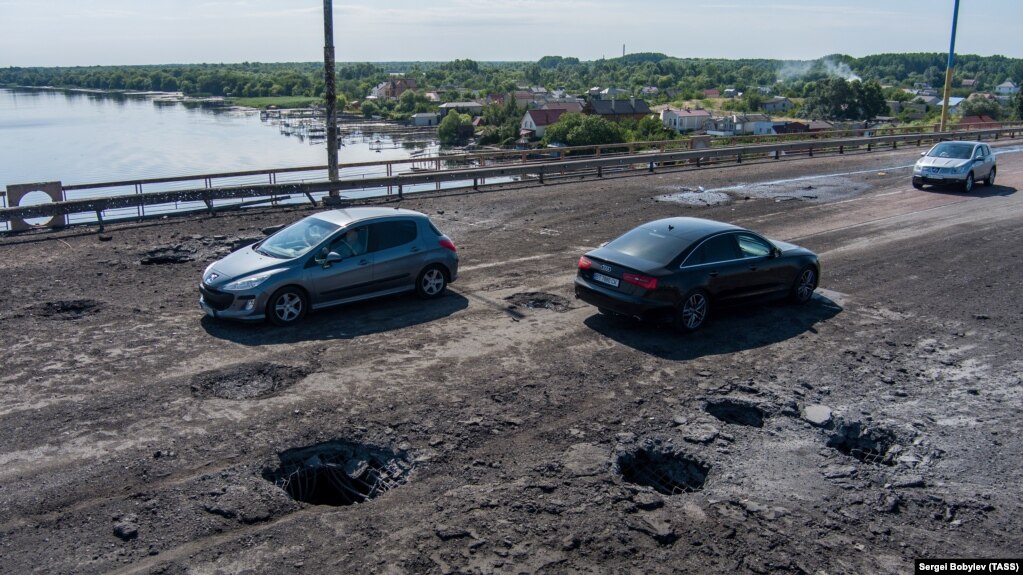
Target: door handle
363,262
713,274
415,250
753,268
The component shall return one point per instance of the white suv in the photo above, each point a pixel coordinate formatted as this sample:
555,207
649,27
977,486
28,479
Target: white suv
955,163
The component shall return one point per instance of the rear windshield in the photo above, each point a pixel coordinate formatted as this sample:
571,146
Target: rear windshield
952,150
649,245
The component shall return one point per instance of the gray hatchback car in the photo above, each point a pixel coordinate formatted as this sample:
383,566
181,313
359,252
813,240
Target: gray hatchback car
327,259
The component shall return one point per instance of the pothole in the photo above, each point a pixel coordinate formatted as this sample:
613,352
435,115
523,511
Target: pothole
69,309
736,412
669,472
339,473
868,444
539,300
168,255
248,381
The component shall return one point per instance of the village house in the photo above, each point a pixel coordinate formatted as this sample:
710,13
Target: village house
970,83
471,108
977,122
953,104
777,104
613,94
685,120
791,128
711,93
425,119
567,104
1007,88
535,122
615,110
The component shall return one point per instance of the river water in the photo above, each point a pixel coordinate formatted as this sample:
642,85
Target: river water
86,137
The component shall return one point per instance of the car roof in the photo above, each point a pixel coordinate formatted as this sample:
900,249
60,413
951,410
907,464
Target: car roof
689,229
345,216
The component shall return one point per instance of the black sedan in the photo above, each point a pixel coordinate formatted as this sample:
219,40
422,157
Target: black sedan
677,269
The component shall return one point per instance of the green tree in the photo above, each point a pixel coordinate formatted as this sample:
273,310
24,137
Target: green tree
447,130
982,107
1017,106
870,102
583,130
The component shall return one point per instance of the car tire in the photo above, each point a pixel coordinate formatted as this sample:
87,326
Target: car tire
693,311
968,183
918,185
431,282
287,306
990,179
804,286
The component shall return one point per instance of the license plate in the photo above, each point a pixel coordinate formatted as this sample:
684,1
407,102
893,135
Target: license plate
605,279
206,309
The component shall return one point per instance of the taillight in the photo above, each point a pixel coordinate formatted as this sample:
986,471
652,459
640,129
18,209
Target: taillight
448,244
585,263
645,282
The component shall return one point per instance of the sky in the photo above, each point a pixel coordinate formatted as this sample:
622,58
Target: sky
129,32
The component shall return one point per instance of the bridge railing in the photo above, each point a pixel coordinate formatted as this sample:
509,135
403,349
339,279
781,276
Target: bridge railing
234,189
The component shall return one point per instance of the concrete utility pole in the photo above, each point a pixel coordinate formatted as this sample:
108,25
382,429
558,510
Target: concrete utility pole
948,69
331,88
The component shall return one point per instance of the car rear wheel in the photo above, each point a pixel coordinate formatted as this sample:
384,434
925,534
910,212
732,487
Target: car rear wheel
990,179
968,184
286,306
692,312
431,283
806,283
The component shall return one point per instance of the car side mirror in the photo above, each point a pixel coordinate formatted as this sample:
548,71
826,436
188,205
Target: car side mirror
922,154
333,257
775,252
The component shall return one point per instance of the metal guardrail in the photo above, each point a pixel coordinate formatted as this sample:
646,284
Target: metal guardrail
650,161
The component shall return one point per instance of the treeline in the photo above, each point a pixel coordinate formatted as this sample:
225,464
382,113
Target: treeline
675,78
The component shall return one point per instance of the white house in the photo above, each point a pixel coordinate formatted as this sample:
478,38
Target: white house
755,124
1007,88
685,120
535,122
425,119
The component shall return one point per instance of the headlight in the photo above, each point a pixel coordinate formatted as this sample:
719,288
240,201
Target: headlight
962,169
249,282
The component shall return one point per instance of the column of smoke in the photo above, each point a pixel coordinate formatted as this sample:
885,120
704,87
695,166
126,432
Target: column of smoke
793,70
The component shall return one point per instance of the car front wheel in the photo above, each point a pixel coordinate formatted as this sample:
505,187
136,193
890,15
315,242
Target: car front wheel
968,184
803,288
286,306
692,312
431,282
990,179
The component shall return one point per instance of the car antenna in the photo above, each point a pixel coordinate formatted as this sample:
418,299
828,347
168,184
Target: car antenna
670,227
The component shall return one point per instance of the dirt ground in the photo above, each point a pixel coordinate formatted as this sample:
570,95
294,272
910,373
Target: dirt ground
509,428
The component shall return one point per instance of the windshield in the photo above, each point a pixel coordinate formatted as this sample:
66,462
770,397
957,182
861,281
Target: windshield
649,245
297,239
954,150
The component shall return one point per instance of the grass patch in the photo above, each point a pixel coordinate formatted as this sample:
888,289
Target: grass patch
279,101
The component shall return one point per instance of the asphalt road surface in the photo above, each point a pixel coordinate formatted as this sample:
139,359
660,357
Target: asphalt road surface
509,428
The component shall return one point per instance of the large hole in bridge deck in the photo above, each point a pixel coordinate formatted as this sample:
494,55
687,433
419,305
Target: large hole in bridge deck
736,412
246,381
339,473
668,472
867,444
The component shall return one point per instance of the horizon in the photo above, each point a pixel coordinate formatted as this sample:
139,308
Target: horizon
184,32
